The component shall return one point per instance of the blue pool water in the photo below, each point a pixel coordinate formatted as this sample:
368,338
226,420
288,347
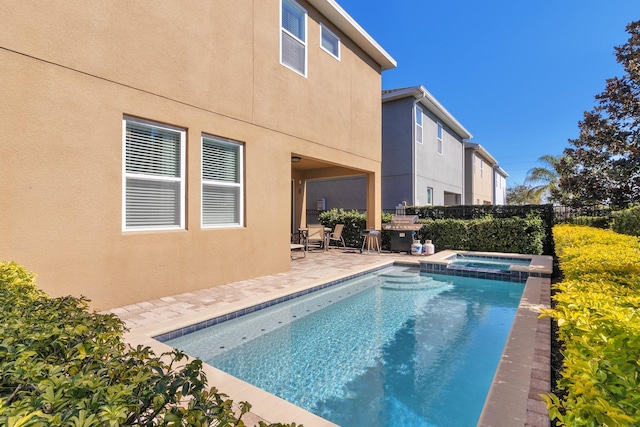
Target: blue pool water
486,263
371,352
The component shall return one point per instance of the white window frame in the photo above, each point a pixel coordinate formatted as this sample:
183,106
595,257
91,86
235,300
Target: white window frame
239,185
180,225
481,168
419,121
325,31
440,137
474,162
284,32
430,196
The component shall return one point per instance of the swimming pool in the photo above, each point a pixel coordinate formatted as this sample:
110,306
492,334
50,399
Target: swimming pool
363,353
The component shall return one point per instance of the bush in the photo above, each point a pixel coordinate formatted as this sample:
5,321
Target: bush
603,222
62,365
627,221
516,235
597,313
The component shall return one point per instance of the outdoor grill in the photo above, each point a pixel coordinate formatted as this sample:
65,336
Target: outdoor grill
403,229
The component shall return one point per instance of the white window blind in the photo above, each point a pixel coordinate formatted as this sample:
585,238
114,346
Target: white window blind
439,136
153,176
293,39
329,41
222,188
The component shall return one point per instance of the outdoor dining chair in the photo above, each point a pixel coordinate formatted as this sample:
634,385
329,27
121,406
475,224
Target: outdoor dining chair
337,235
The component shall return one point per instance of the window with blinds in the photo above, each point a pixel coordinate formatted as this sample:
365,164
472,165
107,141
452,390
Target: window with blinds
293,37
439,135
153,176
329,42
222,182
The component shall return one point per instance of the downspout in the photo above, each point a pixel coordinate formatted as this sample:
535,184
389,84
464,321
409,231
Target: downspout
414,172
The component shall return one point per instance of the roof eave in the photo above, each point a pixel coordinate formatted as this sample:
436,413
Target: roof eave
341,19
477,147
432,104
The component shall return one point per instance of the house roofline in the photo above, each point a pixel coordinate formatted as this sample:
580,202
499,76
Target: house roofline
430,103
341,19
501,171
477,147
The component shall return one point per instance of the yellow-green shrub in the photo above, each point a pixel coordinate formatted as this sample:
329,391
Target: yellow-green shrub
62,365
598,318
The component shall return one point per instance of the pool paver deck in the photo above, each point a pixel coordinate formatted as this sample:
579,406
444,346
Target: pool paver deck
151,318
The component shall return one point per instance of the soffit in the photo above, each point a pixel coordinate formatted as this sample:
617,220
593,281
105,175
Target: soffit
341,19
428,101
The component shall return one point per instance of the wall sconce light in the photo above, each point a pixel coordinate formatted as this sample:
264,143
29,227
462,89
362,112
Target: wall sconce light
295,159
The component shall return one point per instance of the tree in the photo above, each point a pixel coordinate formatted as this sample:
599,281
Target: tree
544,179
521,194
604,161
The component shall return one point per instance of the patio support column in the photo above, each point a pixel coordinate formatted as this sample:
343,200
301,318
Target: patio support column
374,206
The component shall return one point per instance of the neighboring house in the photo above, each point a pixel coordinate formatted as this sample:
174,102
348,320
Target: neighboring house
499,186
422,156
162,148
479,175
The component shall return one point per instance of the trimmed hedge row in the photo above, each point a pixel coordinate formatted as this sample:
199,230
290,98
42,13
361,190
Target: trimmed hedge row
516,235
598,316
62,365
627,221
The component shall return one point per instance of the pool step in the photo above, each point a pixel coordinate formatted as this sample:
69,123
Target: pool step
409,281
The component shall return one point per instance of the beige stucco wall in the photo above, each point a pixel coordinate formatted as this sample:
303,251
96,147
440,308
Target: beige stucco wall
479,185
70,71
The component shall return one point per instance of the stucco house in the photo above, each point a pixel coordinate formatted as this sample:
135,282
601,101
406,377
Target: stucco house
422,156
480,175
161,148
499,186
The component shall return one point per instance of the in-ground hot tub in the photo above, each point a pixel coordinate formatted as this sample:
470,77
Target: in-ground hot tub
488,265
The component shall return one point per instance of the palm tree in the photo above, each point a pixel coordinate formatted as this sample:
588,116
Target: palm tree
543,180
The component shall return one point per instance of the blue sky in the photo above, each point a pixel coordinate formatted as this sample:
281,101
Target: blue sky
517,74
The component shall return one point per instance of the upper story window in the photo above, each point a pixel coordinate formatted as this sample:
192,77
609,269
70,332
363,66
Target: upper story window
293,37
473,156
418,125
429,196
222,182
329,42
153,181
481,168
439,135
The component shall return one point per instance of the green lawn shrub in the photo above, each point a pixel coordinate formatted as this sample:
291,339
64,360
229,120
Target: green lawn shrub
627,221
597,310
62,365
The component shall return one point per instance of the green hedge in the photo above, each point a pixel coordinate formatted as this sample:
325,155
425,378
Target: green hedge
627,221
516,235
62,365
597,310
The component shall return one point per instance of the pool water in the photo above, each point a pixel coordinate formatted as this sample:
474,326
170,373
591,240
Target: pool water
362,353
487,263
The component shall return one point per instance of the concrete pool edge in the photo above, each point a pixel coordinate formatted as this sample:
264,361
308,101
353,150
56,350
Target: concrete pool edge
524,370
